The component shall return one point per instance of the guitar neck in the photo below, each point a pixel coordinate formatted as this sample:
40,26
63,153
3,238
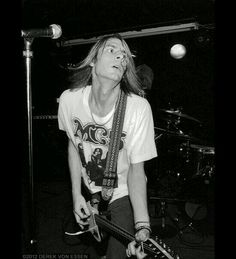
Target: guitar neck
113,229
157,251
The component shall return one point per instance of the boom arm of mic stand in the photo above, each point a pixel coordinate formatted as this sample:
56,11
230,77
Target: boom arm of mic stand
28,54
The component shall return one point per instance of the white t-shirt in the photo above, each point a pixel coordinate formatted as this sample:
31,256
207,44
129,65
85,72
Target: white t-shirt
137,139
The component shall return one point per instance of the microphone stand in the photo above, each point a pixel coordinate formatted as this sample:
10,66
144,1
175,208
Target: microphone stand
28,54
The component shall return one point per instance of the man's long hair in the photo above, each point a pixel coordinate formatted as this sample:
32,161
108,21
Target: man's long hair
82,75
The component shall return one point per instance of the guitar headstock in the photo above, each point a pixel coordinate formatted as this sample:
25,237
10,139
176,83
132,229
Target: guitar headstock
157,248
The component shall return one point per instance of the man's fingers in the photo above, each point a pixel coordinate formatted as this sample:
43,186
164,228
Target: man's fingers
86,211
83,212
139,253
131,247
128,253
81,218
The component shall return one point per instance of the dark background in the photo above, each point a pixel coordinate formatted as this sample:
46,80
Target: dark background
188,83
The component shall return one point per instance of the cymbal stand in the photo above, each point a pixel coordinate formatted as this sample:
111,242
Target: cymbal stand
176,127
164,230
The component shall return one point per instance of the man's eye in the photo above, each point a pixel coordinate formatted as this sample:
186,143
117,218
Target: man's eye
111,50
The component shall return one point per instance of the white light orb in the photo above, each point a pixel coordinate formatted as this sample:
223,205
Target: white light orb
178,51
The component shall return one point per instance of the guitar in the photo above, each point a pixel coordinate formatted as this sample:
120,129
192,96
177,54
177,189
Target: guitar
154,248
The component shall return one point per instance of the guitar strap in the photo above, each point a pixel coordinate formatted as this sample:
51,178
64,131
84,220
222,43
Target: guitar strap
110,179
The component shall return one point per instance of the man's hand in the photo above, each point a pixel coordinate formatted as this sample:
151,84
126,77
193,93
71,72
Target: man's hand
135,247
81,211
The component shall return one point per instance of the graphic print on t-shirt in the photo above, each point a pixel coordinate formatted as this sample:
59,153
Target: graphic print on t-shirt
97,136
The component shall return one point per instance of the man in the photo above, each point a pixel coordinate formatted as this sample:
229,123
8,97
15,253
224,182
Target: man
86,113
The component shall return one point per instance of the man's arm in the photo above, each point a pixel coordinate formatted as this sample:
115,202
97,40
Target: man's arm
138,192
75,166
138,195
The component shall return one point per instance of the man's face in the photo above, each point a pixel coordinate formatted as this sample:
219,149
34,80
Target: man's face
97,152
111,61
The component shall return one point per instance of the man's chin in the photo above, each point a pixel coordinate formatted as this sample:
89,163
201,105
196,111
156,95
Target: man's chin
115,78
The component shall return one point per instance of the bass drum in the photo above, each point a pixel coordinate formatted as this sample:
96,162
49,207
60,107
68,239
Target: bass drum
195,211
193,218
198,196
197,189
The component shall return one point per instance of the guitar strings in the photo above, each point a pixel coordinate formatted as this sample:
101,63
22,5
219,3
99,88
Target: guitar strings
126,234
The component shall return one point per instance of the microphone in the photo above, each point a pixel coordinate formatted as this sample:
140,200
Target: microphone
54,31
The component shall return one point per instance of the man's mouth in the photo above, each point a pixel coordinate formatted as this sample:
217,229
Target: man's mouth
117,67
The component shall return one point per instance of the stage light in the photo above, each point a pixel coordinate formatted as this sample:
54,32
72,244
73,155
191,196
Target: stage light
174,28
178,51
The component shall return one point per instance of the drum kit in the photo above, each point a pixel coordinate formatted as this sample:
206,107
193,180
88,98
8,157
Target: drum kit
185,169
183,159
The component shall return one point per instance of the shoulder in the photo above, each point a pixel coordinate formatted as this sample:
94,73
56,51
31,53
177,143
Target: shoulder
64,94
71,94
137,102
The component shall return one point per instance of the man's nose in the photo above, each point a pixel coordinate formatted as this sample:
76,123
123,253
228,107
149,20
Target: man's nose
119,55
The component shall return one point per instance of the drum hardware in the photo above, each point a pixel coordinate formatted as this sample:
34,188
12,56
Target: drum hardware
169,184
203,149
204,158
182,158
185,164
191,222
177,216
172,128
185,151
198,192
157,137
166,228
174,161
206,172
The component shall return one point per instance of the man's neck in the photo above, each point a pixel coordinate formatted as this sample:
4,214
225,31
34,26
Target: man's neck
103,98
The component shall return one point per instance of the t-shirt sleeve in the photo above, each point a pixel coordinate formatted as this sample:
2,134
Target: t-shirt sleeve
64,115
142,146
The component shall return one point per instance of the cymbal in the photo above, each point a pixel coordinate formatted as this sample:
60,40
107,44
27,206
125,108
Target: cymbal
178,135
180,114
